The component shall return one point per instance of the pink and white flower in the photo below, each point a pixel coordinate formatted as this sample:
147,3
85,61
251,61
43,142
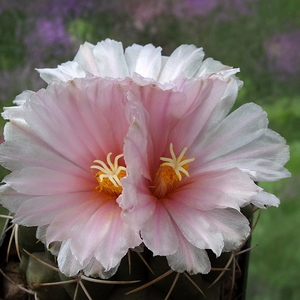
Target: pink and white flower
64,147
191,166
130,147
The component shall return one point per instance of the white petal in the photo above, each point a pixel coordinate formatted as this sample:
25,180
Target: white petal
64,72
20,99
220,189
15,112
41,235
217,229
67,263
16,151
240,128
146,61
185,60
224,105
196,226
41,210
264,199
105,236
11,199
159,234
210,66
95,269
263,159
111,59
189,258
42,181
233,225
86,59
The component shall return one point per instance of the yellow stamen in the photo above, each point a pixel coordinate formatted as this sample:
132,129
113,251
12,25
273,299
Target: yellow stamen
109,174
171,171
178,164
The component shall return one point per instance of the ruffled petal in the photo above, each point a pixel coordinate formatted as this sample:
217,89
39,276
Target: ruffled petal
67,263
145,61
246,144
70,266
86,58
202,99
106,59
219,189
96,231
136,140
42,181
75,112
189,258
233,225
21,98
95,269
110,59
210,66
15,112
41,210
69,222
159,234
224,105
218,229
21,142
154,109
264,199
105,236
185,60
136,202
41,236
240,128
11,199
64,72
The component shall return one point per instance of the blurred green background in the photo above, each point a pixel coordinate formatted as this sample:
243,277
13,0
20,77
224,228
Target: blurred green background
261,37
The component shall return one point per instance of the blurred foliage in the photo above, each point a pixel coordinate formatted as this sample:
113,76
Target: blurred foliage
284,116
273,271
11,39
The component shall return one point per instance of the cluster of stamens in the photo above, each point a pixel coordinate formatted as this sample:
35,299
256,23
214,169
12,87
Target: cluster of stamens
109,174
178,164
171,171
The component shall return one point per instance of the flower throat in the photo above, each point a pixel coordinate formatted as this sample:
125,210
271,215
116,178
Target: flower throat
170,172
109,175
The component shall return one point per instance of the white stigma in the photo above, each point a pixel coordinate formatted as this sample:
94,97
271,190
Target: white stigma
110,170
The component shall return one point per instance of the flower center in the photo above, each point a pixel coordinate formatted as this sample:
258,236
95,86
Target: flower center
109,175
170,172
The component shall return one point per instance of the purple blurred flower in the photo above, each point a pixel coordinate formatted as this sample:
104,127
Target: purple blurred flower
66,8
142,13
52,31
194,7
49,37
283,52
202,7
239,6
225,8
